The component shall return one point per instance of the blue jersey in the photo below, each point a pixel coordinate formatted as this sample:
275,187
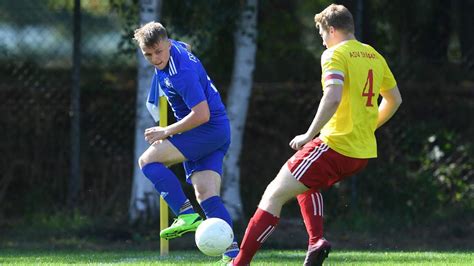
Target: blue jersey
185,83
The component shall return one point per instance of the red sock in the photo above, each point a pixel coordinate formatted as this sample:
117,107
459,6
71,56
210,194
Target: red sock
258,230
311,205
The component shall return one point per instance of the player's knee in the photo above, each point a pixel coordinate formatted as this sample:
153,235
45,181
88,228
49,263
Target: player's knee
206,184
151,157
269,192
142,161
273,192
204,192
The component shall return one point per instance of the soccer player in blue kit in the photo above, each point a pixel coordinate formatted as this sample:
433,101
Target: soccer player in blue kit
199,138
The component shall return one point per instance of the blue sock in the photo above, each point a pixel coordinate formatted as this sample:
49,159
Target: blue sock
213,207
167,184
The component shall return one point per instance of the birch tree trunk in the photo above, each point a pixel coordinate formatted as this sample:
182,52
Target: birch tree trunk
245,38
144,204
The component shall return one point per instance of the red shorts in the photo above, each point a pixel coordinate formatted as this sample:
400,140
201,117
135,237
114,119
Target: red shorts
318,166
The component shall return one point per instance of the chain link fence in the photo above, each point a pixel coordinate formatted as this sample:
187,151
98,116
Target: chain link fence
36,67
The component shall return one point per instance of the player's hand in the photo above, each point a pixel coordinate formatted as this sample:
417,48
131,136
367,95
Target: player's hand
299,141
154,134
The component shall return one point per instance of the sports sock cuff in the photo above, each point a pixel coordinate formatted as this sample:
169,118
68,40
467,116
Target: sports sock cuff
186,208
264,215
233,250
213,207
208,203
151,169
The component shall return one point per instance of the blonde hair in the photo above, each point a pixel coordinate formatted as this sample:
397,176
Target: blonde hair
337,16
150,34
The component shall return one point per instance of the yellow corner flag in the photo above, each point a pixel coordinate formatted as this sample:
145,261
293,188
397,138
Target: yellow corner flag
164,244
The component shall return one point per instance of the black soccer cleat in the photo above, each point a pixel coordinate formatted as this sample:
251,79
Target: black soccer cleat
317,253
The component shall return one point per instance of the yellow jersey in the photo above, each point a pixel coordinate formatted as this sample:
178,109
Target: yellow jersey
363,72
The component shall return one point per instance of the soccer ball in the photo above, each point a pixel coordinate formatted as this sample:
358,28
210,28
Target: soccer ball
214,236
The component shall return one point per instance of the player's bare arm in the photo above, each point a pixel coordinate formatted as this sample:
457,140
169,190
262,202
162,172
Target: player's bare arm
390,102
199,115
327,107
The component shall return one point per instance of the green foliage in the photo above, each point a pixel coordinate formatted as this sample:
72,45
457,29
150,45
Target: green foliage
100,8
39,8
289,46
52,9
208,26
58,222
434,177
446,159
438,178
128,14
200,21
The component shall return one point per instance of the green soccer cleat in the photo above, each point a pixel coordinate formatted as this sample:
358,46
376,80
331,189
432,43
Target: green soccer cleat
224,261
183,224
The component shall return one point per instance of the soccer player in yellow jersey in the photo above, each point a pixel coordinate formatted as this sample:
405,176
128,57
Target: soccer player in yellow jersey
353,77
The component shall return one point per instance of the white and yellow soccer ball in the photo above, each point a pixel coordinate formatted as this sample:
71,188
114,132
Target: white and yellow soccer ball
214,236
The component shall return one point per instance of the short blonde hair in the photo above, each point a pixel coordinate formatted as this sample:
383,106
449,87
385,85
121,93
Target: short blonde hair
337,16
150,34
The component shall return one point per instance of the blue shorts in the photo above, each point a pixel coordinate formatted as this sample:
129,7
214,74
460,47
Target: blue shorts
204,147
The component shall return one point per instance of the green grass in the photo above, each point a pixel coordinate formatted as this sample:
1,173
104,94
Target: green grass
264,257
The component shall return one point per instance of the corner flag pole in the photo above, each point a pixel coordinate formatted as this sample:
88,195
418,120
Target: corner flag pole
164,244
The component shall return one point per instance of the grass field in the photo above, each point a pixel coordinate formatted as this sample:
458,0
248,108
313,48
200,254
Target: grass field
265,257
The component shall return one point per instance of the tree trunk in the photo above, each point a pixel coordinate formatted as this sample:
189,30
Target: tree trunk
245,38
144,199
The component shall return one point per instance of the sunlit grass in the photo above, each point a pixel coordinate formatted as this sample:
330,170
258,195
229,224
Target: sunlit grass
264,257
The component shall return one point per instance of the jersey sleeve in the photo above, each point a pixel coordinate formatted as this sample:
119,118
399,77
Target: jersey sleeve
388,81
188,86
333,68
